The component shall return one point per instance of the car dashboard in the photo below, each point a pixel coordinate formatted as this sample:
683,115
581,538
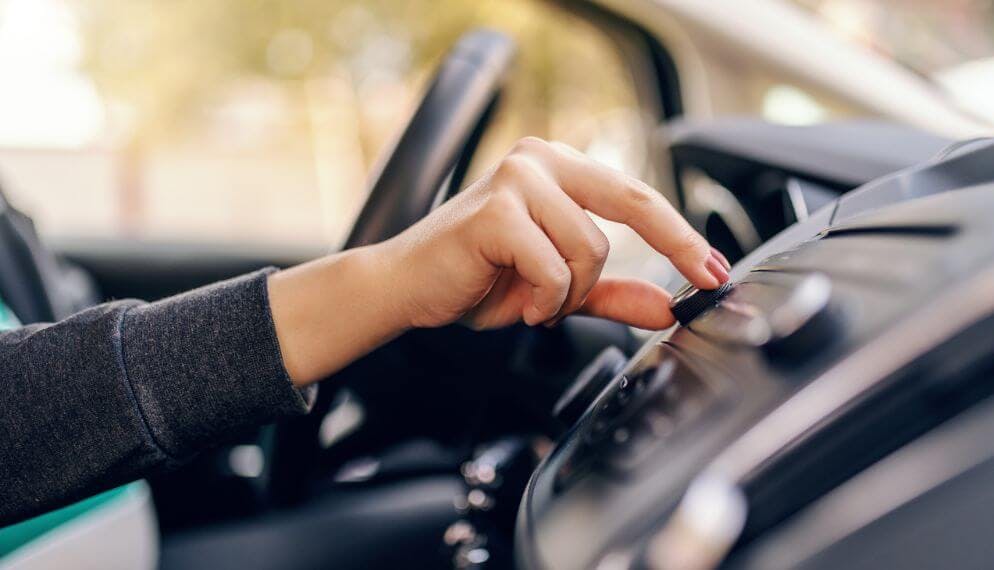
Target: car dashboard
846,340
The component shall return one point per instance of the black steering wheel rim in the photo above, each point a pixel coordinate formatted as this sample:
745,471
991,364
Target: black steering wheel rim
427,163
425,166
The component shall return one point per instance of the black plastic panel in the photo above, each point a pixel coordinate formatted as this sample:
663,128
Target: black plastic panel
888,259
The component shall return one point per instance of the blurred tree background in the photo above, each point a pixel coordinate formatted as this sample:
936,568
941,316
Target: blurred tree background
176,68
270,113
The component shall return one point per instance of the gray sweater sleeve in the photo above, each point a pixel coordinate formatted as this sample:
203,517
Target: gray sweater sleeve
121,389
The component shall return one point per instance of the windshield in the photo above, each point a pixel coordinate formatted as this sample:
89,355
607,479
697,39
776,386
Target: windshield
950,42
116,116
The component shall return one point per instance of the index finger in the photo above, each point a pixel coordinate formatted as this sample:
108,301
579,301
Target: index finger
621,198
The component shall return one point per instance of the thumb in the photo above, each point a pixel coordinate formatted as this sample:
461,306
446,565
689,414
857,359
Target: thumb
635,302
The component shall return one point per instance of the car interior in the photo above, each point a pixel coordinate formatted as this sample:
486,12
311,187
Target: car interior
828,409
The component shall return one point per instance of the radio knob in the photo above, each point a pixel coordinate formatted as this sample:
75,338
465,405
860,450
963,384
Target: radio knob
690,302
805,320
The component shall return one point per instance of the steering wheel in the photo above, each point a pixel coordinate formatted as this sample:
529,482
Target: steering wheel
425,167
430,159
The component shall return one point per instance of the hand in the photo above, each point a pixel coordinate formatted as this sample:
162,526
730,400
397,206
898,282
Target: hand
515,245
518,245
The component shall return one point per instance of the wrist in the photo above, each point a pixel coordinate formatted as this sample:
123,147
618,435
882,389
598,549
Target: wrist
331,311
375,273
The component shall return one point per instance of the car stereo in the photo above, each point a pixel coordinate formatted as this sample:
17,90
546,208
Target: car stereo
840,342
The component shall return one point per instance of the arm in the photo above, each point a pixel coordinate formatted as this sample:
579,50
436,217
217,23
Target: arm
124,388
116,391
517,245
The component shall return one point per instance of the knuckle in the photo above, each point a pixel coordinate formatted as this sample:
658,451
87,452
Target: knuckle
531,145
560,276
562,147
594,246
642,196
512,167
691,244
501,205
599,246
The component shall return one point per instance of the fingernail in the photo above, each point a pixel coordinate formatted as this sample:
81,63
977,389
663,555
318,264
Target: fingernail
721,257
552,323
715,268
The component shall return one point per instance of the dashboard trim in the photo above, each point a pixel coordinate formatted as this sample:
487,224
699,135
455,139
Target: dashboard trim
817,403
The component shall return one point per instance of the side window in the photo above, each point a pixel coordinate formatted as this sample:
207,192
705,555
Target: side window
221,121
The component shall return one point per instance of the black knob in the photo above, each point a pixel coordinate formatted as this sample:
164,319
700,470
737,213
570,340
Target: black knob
689,301
805,321
589,384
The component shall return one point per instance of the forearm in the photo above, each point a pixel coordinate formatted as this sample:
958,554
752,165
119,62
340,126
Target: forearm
334,310
113,392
